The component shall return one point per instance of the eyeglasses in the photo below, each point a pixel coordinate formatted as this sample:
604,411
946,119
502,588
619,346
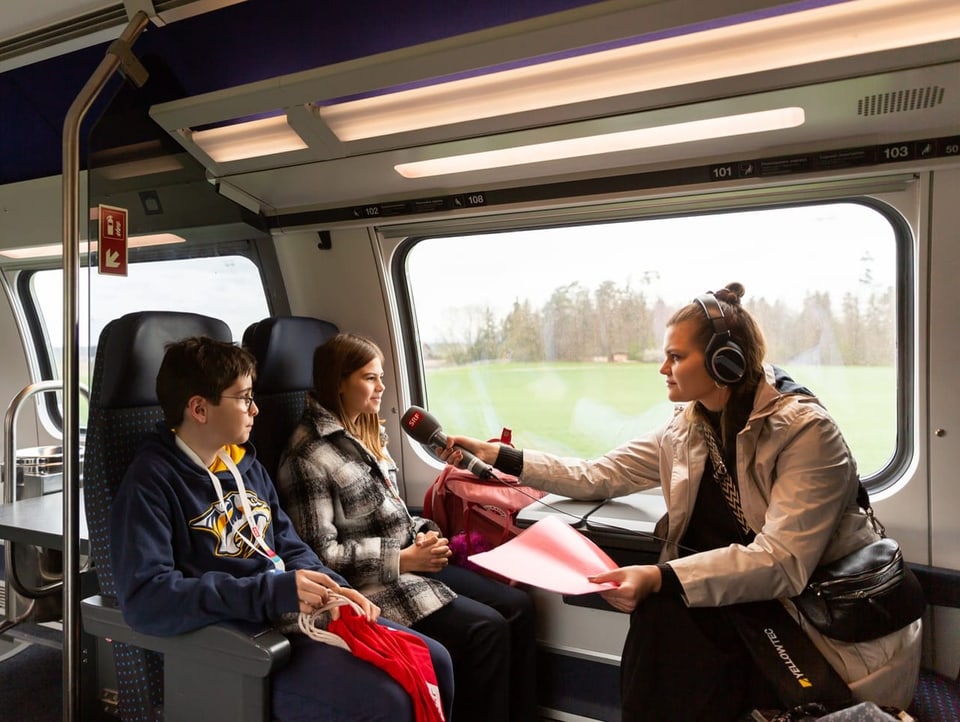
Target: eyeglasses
247,400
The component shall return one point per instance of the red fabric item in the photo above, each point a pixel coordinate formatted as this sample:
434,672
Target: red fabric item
402,655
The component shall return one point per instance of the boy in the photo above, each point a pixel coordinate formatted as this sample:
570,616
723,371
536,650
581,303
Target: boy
198,537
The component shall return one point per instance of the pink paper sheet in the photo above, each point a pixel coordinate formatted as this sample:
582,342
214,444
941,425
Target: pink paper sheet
551,555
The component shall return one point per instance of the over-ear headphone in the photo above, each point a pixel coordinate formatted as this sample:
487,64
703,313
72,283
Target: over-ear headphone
723,357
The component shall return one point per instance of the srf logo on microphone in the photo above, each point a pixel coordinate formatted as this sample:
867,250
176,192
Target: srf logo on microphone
414,419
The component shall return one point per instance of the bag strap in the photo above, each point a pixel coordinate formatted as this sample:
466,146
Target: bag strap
787,657
435,500
722,476
863,501
732,494
781,650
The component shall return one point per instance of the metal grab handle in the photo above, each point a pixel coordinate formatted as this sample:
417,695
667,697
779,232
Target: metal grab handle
9,485
10,428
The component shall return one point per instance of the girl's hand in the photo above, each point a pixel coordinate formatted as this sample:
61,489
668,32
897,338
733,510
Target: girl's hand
429,553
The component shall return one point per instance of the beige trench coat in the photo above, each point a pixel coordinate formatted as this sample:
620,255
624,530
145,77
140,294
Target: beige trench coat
798,488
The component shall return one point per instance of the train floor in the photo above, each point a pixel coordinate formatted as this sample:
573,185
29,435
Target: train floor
31,677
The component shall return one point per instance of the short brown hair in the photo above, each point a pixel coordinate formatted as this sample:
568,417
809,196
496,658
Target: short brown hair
199,366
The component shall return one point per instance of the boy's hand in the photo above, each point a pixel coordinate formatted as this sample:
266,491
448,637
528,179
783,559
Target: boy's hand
370,610
314,588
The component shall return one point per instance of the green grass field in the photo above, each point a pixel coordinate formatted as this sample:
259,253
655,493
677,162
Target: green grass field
585,409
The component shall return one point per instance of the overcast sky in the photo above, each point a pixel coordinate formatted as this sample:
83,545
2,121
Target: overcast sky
778,255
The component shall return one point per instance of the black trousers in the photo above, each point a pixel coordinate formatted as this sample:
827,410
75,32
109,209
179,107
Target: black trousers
490,632
687,664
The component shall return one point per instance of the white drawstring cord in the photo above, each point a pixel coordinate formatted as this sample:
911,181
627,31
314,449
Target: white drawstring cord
306,621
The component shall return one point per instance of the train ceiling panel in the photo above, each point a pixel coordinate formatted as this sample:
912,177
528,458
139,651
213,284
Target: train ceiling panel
846,112
379,127
49,48
310,64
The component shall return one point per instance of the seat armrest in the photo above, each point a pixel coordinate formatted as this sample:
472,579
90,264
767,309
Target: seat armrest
249,652
941,586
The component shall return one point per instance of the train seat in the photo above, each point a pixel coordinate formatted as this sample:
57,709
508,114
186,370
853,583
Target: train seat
283,347
217,672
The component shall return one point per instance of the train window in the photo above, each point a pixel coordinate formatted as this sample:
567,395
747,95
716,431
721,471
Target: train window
557,332
226,287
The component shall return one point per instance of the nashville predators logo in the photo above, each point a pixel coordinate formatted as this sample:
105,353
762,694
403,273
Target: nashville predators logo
229,525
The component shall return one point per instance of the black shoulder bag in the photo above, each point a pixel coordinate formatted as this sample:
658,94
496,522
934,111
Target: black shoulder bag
865,595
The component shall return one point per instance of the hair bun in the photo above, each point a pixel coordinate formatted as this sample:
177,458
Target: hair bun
731,293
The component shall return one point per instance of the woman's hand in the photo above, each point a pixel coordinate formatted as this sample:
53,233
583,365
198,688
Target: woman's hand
486,451
429,552
635,584
314,588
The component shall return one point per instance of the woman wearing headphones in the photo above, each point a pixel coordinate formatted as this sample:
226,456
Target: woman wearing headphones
760,488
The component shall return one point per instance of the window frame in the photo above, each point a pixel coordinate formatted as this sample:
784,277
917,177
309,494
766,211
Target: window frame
42,363
401,240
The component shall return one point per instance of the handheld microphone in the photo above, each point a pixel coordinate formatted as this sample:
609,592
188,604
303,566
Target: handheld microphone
423,427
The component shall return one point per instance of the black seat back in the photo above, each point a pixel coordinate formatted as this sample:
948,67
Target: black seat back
283,347
123,408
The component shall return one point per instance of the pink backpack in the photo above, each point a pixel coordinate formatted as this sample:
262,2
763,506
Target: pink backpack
476,515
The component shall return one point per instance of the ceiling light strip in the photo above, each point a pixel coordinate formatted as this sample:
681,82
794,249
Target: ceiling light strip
719,127
823,33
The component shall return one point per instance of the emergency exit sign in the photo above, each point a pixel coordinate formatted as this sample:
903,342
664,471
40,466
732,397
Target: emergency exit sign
113,241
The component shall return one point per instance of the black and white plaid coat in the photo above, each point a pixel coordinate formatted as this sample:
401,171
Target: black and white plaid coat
345,504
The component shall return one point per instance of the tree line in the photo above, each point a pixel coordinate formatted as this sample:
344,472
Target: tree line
619,323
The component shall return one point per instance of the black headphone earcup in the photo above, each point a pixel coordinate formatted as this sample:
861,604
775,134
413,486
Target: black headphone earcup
723,358
725,361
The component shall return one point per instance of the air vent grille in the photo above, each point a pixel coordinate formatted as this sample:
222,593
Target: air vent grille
900,101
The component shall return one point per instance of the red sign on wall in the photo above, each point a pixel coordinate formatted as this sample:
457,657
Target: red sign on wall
113,241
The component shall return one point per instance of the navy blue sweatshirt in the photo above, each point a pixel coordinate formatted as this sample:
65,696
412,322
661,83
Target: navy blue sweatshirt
175,567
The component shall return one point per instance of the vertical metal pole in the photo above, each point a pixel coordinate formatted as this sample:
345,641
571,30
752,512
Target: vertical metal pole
71,367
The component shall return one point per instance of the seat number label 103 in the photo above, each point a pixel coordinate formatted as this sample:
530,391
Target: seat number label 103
840,158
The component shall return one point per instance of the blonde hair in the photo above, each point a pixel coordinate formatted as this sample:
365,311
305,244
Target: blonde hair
333,362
